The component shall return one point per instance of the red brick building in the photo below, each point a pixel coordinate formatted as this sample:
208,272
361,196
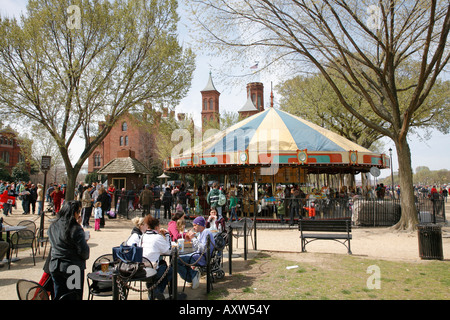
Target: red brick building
126,134
129,134
10,150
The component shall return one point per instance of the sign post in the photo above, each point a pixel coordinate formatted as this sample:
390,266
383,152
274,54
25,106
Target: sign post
45,167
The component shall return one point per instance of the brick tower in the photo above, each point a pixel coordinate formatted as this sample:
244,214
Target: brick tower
255,91
210,103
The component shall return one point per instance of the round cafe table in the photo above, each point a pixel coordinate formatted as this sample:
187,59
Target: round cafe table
8,230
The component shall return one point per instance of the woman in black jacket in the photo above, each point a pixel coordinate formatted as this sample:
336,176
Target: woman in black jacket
69,251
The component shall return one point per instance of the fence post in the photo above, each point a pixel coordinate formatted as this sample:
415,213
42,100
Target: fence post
115,289
174,273
245,239
208,265
230,249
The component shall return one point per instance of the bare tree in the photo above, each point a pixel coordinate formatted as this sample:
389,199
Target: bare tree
66,67
363,43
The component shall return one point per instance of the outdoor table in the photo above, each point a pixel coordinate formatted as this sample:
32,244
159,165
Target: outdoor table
8,230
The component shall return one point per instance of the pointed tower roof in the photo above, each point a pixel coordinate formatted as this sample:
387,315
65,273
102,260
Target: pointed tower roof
248,106
210,85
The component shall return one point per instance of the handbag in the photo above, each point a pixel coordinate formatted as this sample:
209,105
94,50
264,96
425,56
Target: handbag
131,270
127,253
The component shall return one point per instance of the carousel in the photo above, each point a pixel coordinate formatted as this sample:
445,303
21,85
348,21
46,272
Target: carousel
275,147
277,150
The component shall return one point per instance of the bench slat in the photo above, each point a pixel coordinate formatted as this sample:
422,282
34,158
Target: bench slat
327,236
343,227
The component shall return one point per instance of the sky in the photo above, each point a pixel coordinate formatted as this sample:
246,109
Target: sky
433,153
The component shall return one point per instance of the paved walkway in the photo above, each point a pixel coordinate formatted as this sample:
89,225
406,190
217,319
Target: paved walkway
378,243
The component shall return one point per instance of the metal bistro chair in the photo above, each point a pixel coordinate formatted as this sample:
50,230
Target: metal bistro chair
239,227
40,240
29,224
30,290
100,288
19,240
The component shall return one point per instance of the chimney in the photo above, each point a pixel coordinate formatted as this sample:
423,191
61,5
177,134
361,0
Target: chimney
125,153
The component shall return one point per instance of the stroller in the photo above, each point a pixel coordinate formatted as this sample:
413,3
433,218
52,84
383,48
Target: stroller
221,241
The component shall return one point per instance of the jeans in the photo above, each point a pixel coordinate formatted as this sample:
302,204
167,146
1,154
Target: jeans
26,206
160,272
7,209
86,215
233,214
158,213
40,206
293,212
186,272
219,213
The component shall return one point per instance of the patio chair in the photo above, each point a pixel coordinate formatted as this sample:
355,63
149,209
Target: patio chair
239,227
30,290
100,288
41,240
29,224
19,240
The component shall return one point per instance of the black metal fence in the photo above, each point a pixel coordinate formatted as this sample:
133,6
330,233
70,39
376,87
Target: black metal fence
285,213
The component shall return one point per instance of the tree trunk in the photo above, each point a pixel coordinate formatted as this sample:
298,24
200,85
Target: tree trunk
71,183
409,219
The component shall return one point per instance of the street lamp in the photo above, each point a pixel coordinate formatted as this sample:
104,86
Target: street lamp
392,174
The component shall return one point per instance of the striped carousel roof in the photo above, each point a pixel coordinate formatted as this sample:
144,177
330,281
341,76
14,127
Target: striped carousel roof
280,136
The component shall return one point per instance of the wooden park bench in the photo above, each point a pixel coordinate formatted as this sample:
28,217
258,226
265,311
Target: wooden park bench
337,230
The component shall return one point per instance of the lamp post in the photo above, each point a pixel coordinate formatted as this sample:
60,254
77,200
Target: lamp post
392,174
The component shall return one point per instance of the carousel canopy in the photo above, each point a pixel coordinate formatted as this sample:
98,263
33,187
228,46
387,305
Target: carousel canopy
276,137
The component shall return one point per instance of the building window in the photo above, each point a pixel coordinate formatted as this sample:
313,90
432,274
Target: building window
126,140
211,104
97,160
121,141
124,126
5,157
205,104
21,158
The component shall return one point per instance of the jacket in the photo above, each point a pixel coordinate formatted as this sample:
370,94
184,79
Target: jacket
146,197
67,252
86,201
213,197
167,198
153,246
40,194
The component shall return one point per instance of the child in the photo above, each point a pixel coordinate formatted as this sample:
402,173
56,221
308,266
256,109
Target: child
233,205
179,206
212,220
181,225
97,215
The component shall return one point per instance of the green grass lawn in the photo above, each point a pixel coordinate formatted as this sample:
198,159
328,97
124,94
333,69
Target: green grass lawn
338,278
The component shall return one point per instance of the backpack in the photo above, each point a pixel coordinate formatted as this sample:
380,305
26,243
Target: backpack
222,199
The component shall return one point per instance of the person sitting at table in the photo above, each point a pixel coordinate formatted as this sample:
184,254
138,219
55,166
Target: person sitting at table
155,242
174,232
69,250
4,247
136,233
197,258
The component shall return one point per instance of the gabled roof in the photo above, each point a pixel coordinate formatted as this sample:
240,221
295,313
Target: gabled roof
248,106
124,165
